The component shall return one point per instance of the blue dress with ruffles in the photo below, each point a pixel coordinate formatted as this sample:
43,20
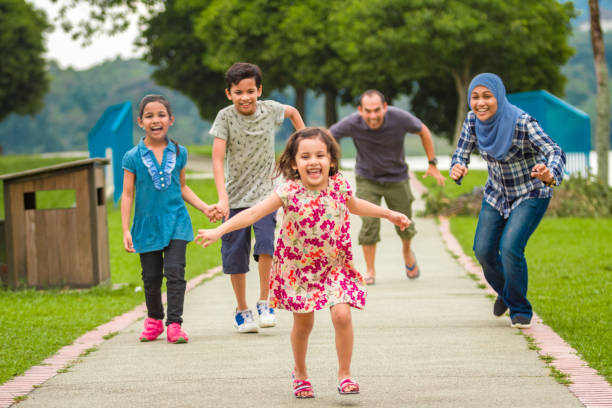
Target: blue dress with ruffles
160,214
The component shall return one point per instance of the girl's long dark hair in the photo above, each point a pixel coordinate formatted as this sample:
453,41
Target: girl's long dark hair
287,158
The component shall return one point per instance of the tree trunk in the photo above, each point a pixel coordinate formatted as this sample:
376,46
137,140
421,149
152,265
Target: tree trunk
300,101
602,128
462,80
331,115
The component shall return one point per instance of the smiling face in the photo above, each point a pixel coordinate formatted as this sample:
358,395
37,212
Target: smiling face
244,94
372,110
312,162
483,103
155,121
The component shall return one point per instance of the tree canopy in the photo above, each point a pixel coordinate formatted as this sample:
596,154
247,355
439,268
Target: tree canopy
426,49
443,44
23,76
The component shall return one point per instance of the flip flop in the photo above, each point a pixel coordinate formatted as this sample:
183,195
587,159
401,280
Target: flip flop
411,268
370,280
345,384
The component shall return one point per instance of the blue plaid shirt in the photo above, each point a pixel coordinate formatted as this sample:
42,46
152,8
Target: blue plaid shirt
510,182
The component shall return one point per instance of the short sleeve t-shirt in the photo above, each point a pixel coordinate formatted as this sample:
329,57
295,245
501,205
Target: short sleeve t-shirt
380,152
160,214
249,154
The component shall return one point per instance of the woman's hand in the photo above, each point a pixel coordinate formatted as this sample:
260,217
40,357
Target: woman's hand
541,172
206,237
127,242
458,171
399,219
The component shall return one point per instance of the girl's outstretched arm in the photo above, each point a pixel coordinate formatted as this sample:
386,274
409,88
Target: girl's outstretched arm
244,218
365,208
127,199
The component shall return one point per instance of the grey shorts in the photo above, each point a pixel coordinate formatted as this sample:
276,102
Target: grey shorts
397,195
236,245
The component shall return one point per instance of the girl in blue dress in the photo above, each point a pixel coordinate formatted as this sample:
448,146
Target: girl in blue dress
154,171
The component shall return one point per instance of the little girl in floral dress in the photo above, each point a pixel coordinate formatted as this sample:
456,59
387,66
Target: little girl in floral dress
313,261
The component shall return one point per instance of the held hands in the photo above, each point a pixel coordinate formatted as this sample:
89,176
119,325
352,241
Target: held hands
458,172
434,172
206,237
127,242
540,171
399,219
212,212
221,210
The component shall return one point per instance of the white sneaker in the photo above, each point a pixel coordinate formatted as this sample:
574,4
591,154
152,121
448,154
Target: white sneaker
266,314
244,322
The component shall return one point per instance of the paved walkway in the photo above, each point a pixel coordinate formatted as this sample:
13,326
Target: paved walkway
432,342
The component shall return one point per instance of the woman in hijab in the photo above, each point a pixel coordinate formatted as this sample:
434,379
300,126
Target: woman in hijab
524,163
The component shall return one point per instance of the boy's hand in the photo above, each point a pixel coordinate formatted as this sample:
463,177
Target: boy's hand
127,242
206,237
211,212
222,209
399,219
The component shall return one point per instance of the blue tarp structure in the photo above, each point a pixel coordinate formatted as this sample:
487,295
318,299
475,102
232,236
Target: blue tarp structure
113,130
565,124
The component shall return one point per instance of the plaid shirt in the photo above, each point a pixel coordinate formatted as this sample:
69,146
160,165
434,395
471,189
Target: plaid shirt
510,182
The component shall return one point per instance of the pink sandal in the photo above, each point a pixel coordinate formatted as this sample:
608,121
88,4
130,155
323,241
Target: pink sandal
348,386
301,386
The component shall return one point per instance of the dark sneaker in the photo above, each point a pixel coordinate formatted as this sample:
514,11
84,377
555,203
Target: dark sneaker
521,322
499,308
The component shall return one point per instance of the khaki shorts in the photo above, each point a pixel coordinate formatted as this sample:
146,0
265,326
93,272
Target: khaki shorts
397,195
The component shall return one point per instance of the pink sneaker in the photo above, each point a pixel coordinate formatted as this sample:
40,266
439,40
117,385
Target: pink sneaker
175,334
153,328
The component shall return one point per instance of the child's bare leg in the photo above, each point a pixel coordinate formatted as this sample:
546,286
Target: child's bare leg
343,324
265,263
239,286
369,254
302,326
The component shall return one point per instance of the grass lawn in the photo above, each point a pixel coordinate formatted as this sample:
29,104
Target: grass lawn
200,150
474,178
35,324
570,271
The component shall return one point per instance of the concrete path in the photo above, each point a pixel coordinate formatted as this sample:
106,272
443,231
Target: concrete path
432,342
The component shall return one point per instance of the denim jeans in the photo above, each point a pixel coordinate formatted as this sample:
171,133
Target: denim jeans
499,246
170,262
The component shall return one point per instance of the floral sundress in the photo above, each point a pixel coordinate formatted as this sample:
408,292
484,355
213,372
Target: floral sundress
313,261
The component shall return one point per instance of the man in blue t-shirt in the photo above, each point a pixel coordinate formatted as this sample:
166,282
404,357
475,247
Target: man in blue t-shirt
378,132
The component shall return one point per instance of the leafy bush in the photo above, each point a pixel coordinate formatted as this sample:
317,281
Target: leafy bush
581,197
577,196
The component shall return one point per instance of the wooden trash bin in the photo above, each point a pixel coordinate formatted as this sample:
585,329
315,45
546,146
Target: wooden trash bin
57,246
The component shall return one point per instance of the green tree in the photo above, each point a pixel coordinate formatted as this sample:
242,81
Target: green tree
23,76
179,56
602,132
291,41
438,41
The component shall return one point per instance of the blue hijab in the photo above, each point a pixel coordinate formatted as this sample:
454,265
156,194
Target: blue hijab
494,135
